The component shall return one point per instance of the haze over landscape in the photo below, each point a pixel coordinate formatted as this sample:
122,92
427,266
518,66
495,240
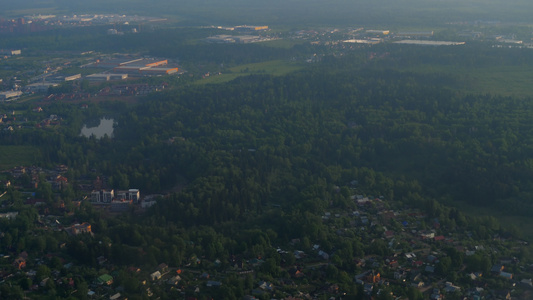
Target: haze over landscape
305,12
266,149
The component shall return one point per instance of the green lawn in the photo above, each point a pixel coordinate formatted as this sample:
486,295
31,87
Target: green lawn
274,67
12,156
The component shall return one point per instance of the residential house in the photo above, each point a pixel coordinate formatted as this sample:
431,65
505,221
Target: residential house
174,280
502,294
79,228
296,273
438,238
415,275
527,282
9,215
368,288
59,182
427,235
101,260
163,268
211,283
393,264
450,288
61,168
429,269
334,289
373,277
436,295
155,276
496,269
19,263
323,254
432,259
299,254
400,274
266,285
417,263
44,281
237,263
115,296
18,171
134,270
506,275
507,260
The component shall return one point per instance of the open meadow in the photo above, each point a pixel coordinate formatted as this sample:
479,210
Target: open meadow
12,156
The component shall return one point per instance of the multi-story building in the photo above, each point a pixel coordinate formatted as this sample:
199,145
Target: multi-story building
105,196
131,194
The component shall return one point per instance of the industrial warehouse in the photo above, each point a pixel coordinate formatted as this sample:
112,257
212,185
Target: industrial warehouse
138,67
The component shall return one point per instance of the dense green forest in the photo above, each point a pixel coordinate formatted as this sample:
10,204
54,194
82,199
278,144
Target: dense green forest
255,163
342,114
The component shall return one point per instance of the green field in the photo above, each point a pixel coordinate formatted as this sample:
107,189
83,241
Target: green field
507,81
501,80
12,156
524,225
274,67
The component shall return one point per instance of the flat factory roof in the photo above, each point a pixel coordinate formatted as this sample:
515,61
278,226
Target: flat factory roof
429,43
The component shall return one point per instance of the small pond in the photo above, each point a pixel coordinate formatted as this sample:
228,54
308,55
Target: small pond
104,127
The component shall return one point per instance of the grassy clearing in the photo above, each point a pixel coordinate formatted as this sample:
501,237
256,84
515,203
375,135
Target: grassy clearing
12,156
524,224
506,81
274,67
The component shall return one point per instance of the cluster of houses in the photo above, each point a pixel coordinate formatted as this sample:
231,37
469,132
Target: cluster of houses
114,200
416,245
9,121
13,120
54,177
132,89
117,90
418,267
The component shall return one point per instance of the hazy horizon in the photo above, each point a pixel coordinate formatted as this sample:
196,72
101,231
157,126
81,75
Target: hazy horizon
407,12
